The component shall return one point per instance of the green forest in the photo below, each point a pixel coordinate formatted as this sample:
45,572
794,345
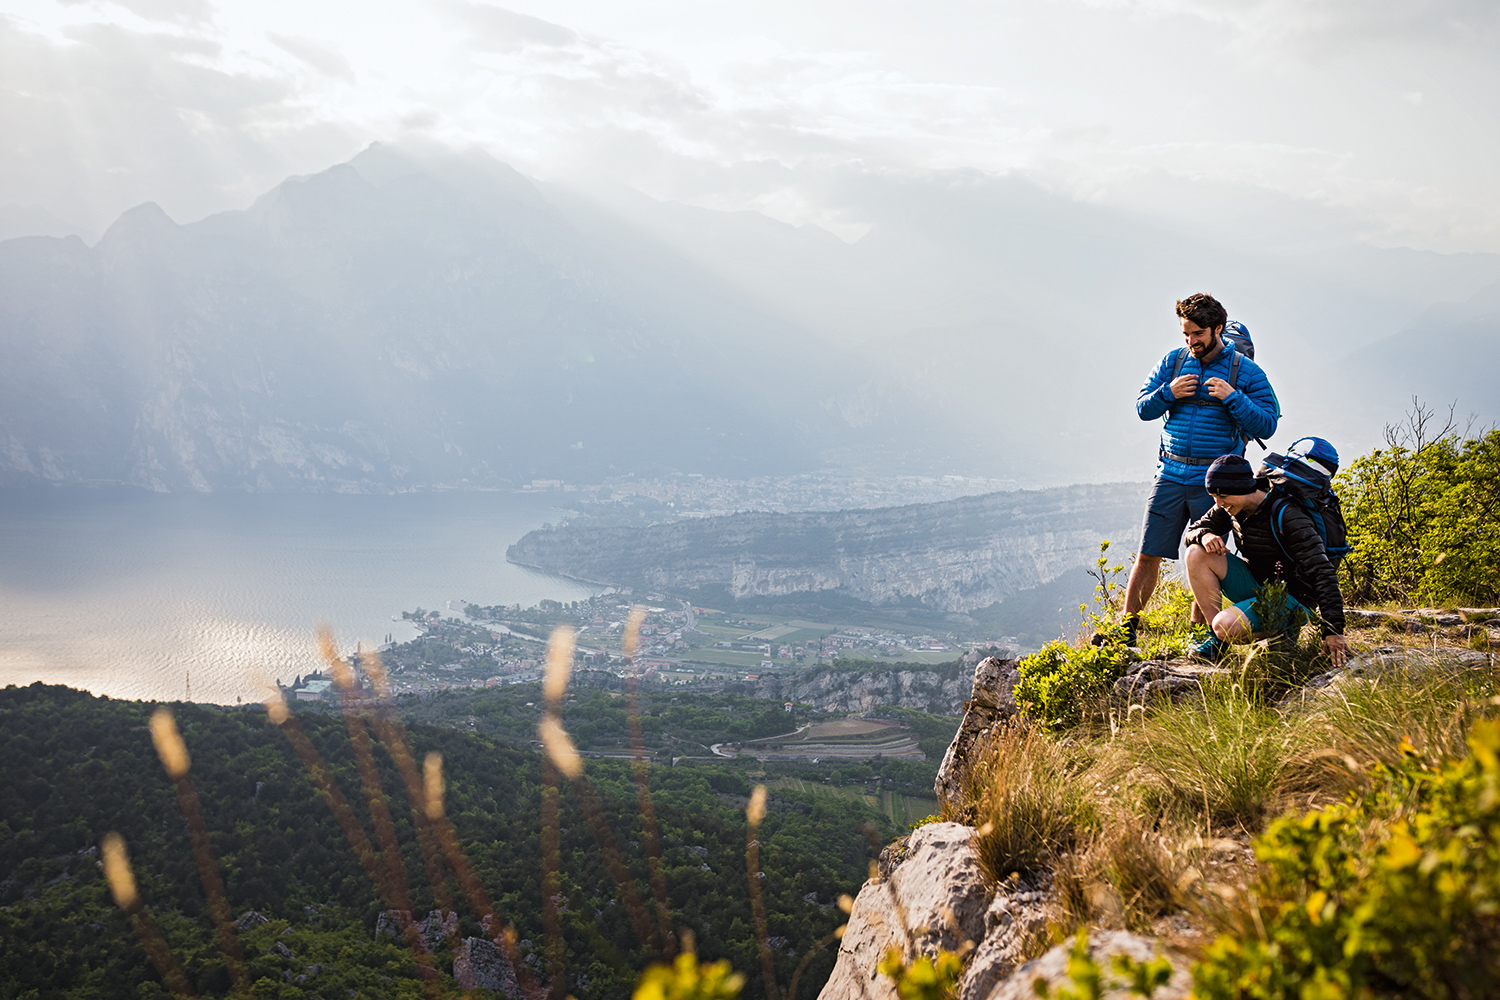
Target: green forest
78,766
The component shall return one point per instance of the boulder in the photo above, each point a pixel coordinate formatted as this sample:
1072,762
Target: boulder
1052,968
435,929
481,965
1387,661
936,900
991,702
1016,917
1149,680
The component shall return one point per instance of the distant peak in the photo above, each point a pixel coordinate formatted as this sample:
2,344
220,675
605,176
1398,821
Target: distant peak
146,221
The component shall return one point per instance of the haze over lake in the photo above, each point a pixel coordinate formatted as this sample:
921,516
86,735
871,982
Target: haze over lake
126,594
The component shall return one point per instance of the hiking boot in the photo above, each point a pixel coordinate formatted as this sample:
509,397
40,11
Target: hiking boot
1208,646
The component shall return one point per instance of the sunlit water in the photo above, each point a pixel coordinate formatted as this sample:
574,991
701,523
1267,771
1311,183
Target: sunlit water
139,595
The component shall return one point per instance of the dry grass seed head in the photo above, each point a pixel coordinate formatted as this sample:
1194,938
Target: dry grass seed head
560,747
117,872
632,636
559,665
169,746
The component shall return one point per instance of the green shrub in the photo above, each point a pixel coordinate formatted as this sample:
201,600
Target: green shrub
1394,893
1424,517
1059,684
923,978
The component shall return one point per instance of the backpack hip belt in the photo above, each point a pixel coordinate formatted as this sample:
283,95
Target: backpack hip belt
1184,460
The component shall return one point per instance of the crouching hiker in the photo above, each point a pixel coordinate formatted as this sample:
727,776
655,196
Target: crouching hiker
1298,558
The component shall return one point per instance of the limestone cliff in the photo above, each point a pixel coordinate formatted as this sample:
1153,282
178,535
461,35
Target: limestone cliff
956,555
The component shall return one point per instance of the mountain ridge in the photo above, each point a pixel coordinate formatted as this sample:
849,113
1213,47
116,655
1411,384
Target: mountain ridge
954,555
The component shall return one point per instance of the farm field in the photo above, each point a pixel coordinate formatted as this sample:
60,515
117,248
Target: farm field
901,809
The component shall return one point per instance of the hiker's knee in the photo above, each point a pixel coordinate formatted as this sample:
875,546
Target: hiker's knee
1231,625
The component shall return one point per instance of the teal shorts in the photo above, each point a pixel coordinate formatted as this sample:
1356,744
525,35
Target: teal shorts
1239,589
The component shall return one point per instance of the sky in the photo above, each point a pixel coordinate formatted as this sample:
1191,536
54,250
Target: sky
1374,120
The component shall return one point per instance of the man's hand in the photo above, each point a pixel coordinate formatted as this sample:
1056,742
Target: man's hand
1338,649
1214,545
1184,386
1218,389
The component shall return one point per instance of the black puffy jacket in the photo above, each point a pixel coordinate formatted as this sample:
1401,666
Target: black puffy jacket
1309,576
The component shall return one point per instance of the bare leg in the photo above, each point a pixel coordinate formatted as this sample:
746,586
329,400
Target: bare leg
1142,583
1206,579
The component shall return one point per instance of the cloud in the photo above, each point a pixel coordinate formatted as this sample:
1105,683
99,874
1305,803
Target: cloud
112,117
1337,25
498,27
321,58
187,12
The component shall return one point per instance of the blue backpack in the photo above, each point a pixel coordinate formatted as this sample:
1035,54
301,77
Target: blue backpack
1304,476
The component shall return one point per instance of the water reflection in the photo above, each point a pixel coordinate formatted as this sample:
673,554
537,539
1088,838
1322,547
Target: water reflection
138,595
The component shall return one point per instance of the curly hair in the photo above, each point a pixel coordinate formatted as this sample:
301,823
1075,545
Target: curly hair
1204,310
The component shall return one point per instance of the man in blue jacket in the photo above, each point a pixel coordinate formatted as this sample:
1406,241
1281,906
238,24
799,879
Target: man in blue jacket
1213,399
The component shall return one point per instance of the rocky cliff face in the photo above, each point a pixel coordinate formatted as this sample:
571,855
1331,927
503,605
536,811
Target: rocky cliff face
957,555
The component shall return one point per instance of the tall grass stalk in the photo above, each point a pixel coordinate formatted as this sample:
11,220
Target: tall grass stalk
1381,721
121,879
755,813
641,770
1219,758
399,892
178,764
1024,796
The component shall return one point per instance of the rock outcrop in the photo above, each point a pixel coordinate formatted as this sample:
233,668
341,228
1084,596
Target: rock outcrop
931,896
991,702
481,965
936,900
1014,921
1052,968
1389,661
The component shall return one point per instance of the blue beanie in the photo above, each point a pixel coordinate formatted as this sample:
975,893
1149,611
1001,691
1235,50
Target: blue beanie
1230,475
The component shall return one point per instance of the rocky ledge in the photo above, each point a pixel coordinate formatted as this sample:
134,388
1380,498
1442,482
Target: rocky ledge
936,899
930,894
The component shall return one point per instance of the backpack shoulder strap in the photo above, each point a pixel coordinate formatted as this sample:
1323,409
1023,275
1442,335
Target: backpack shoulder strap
1278,523
1181,359
1234,370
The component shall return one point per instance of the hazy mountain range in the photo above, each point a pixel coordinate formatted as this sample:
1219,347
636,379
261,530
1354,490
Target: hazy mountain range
415,319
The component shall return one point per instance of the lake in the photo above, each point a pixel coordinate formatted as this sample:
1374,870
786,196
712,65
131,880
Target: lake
140,595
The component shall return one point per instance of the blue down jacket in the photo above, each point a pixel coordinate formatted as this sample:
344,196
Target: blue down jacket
1202,428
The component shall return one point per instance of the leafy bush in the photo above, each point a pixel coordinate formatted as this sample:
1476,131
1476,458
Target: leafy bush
1090,983
1058,683
1424,516
1395,893
923,978
688,979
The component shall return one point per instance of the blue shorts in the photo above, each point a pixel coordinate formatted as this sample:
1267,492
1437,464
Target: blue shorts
1172,507
1239,589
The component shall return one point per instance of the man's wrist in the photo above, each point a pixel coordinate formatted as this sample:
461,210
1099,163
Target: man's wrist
1166,392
